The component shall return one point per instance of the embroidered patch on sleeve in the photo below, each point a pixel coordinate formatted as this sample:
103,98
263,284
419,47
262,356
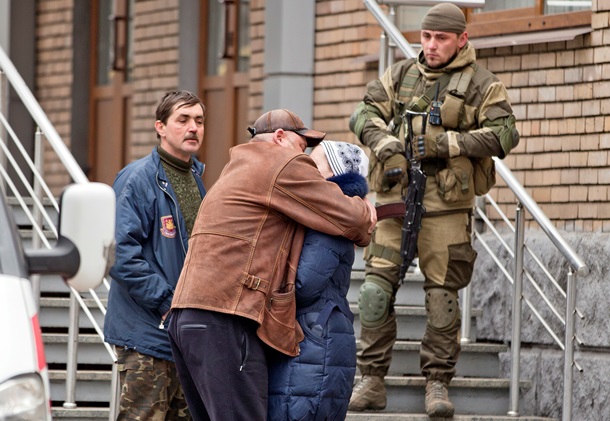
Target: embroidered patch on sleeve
168,228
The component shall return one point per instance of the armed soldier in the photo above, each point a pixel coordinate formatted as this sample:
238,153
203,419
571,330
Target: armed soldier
469,121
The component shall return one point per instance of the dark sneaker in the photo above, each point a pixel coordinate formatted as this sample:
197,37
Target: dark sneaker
438,404
369,393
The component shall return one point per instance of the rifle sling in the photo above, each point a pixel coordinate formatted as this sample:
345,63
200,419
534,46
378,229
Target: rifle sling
398,209
423,102
391,210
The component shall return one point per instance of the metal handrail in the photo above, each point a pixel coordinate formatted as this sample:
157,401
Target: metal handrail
390,29
46,130
532,207
459,3
524,203
39,116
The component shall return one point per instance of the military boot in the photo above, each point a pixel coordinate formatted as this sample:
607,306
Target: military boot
369,393
437,400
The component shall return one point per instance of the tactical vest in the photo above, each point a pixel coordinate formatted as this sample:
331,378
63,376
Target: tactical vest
453,118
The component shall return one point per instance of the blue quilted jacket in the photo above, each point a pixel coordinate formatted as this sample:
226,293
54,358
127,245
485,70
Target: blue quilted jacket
317,384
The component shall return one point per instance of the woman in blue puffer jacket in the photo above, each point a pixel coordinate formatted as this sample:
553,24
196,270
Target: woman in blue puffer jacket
317,384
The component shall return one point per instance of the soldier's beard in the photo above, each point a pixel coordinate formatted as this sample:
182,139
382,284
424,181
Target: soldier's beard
444,64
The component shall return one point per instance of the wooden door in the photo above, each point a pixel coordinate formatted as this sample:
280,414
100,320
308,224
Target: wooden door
224,81
112,88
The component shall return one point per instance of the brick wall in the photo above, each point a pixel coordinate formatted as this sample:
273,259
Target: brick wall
257,45
559,93
156,40
54,78
561,98
346,34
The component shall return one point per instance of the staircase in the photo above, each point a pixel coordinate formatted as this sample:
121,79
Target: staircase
479,392
94,364
481,386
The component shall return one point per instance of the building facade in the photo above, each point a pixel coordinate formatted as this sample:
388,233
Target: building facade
98,68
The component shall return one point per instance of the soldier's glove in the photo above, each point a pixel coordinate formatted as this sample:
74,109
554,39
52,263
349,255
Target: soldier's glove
424,147
394,170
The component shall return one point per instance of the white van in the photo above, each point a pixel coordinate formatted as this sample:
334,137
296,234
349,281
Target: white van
86,236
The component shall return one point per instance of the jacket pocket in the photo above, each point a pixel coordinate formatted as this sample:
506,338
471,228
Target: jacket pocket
279,328
455,183
451,111
311,331
484,175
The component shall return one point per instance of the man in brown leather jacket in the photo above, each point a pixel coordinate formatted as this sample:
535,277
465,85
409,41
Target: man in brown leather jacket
235,296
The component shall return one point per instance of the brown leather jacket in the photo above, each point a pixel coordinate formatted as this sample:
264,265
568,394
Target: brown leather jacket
245,246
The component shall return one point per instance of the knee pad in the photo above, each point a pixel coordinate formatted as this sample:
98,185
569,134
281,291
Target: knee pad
442,308
374,301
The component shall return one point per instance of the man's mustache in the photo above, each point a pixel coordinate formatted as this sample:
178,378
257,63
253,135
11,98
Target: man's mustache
191,136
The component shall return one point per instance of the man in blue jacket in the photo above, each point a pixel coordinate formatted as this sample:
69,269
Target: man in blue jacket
158,198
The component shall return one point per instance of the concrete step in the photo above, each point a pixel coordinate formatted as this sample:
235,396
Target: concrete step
20,215
384,416
476,359
90,414
91,349
91,385
51,285
79,414
470,396
54,312
411,322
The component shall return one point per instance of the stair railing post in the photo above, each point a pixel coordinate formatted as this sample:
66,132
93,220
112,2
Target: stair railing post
3,111
466,294
466,299
391,43
71,362
383,54
115,392
36,240
517,311
568,361
466,328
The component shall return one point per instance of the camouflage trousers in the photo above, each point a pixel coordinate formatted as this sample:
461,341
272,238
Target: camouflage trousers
150,389
446,259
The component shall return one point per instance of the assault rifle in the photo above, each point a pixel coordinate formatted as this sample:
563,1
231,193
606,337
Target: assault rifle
416,187
414,201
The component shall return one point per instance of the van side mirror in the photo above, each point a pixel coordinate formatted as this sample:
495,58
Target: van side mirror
85,248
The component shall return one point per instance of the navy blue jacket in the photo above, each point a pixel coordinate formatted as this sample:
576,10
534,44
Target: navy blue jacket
317,384
151,244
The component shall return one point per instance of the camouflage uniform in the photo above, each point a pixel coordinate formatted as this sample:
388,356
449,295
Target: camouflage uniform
150,389
477,123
